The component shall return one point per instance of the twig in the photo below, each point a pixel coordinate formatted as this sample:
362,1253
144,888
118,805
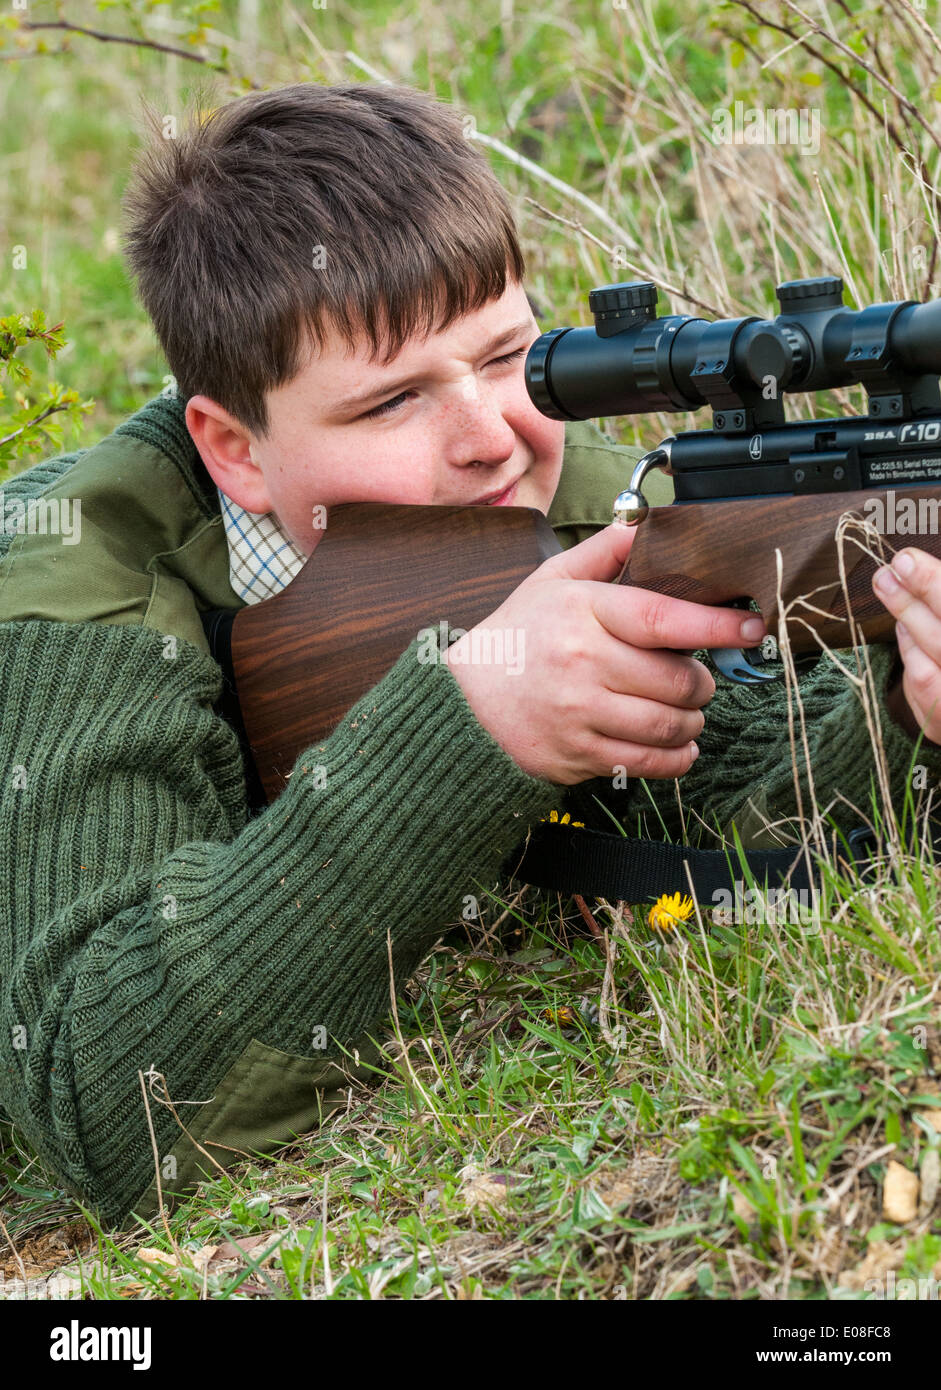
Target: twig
836,1193
828,63
904,105
589,920
398,1030
153,1141
681,293
608,996
327,1276
153,1076
67,27
50,410
16,1256
483,1030
35,53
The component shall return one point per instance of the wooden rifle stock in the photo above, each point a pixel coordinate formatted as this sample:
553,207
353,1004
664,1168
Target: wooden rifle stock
716,552
379,575
382,573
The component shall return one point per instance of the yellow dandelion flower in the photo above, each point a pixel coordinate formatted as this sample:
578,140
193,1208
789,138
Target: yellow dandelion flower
555,819
564,1016
668,910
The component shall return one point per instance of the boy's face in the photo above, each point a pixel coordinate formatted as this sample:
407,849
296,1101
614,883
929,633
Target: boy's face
448,421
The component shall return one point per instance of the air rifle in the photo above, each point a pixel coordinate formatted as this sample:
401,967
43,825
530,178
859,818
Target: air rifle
755,485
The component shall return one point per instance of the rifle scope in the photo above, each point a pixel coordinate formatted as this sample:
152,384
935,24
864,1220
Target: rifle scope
632,362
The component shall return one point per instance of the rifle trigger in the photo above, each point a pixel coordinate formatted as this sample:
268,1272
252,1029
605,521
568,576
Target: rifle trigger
732,662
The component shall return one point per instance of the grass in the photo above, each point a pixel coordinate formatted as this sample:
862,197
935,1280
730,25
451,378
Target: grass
715,1114
703,1112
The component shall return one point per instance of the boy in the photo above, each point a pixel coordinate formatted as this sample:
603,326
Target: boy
334,276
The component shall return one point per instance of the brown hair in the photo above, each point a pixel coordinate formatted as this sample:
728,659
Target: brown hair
378,185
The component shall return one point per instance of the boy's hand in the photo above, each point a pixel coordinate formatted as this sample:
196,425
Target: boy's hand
911,591
596,690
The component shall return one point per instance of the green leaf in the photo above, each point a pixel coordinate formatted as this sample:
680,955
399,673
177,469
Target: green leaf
797,1142
882,1230
582,1146
645,1106
688,1228
296,1261
766,1082
590,1207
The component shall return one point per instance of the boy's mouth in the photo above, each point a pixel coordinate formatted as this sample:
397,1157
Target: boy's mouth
497,499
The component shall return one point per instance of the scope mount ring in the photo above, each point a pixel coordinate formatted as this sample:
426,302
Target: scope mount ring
630,506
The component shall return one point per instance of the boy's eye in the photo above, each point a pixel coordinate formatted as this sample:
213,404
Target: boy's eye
387,408
391,406
511,356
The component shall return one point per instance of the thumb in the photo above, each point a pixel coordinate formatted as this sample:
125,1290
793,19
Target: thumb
601,557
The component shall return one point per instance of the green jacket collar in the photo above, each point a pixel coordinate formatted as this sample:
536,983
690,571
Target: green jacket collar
161,423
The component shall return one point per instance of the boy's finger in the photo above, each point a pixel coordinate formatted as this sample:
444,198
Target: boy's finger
919,624
919,641
635,719
659,621
665,676
920,573
601,557
917,602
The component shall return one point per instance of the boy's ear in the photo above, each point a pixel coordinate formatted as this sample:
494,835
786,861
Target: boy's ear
226,449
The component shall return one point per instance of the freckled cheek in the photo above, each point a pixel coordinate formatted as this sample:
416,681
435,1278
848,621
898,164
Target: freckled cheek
379,474
554,436
546,439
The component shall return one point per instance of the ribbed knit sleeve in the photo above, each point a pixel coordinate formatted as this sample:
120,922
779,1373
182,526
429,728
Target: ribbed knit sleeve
745,752
148,922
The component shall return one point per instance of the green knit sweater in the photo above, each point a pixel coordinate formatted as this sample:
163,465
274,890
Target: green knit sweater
147,919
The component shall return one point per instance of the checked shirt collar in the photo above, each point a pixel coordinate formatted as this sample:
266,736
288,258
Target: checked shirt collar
262,558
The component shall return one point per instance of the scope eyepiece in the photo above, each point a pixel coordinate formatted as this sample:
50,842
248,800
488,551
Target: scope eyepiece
537,375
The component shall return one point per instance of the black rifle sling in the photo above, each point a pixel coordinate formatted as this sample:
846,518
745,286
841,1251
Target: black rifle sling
623,869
